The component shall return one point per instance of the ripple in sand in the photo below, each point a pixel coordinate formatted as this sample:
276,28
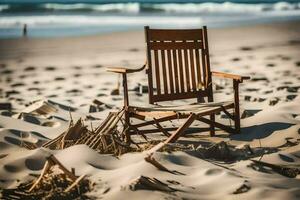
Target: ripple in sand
34,164
12,168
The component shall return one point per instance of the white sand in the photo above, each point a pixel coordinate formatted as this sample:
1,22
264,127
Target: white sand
69,73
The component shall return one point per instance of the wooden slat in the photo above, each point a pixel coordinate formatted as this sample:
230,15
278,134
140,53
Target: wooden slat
175,34
149,70
198,67
164,70
207,62
175,45
180,65
157,73
170,67
193,74
187,70
175,71
176,96
204,65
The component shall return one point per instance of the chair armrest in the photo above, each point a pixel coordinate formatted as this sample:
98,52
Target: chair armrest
123,70
232,76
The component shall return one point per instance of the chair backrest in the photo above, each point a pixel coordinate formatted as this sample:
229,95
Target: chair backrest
178,64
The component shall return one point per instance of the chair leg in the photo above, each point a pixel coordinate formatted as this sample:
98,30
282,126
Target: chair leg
181,129
127,128
237,122
212,126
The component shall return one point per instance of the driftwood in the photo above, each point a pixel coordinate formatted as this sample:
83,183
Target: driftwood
104,139
290,172
147,183
52,161
151,160
51,184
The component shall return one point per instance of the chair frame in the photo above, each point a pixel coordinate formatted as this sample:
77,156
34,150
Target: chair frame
199,41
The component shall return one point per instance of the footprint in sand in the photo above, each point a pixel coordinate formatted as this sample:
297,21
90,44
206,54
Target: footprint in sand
29,68
285,58
291,97
77,67
52,96
270,65
50,124
98,66
30,119
50,68
12,140
34,163
133,50
12,168
77,75
246,48
8,79
101,95
11,92
286,158
18,133
7,71
213,171
17,84
235,59
59,78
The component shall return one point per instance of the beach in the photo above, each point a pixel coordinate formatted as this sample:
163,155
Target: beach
67,74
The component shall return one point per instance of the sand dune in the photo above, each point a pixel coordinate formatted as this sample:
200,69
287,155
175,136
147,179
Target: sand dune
48,82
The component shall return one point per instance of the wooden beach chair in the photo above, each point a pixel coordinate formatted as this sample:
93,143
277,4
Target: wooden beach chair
178,67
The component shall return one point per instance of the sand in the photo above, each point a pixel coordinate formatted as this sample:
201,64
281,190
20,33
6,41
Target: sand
65,75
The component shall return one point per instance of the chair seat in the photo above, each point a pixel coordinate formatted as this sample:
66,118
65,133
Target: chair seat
200,109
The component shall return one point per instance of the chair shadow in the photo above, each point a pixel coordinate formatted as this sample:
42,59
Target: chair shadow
259,131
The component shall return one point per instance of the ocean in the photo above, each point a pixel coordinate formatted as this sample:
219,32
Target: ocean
62,18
